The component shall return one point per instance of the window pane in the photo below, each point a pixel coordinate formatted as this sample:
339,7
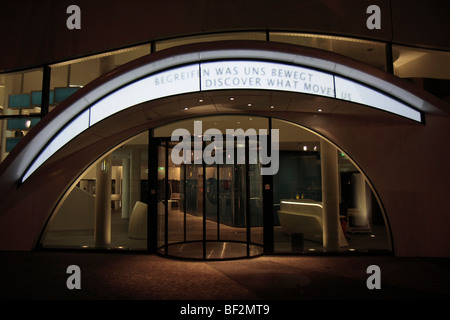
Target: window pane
213,37
370,52
69,76
125,192
20,94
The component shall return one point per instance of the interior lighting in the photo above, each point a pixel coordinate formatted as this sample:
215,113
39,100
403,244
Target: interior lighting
201,100
231,99
186,108
303,203
320,110
272,107
249,104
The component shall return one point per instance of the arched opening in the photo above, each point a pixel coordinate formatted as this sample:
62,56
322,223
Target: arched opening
287,83
214,209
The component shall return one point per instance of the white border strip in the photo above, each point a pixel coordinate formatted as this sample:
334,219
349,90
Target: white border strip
110,97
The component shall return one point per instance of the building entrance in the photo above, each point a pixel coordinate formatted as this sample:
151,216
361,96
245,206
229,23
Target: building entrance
210,197
208,194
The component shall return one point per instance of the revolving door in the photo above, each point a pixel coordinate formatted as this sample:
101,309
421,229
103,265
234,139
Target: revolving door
208,209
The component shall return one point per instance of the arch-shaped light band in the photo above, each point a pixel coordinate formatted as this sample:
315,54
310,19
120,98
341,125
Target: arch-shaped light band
222,75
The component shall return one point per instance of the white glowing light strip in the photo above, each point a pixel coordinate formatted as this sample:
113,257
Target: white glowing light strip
266,76
222,75
303,203
70,131
351,91
176,81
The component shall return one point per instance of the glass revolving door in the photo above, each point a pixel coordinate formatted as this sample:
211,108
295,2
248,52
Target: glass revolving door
209,208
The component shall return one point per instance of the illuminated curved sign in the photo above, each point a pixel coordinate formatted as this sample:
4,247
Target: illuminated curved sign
224,75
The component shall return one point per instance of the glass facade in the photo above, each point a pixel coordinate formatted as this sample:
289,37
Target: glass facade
370,52
20,105
214,208
24,99
208,209
106,211
297,198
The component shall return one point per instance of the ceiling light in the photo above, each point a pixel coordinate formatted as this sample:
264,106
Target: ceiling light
271,107
201,100
186,108
249,104
232,99
320,110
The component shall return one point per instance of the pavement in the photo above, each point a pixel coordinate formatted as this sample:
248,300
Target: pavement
281,281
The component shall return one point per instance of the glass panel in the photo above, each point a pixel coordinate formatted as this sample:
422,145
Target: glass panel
213,210
361,216
212,221
69,76
226,208
370,52
109,201
162,184
420,63
194,198
298,178
212,37
175,214
424,68
298,211
256,198
18,101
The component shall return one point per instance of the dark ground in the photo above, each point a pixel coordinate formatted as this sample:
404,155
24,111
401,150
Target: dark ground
284,282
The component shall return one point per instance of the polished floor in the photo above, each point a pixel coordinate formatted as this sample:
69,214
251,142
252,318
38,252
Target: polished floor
185,239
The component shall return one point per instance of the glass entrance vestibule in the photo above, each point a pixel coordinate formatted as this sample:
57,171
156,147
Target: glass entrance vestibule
186,192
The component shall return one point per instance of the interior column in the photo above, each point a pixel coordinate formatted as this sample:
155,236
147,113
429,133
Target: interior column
330,196
135,178
125,187
102,229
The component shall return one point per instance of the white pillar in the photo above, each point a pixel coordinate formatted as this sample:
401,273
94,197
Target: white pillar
117,177
330,196
102,230
135,178
126,187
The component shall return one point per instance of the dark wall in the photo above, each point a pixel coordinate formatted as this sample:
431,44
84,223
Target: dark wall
35,33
